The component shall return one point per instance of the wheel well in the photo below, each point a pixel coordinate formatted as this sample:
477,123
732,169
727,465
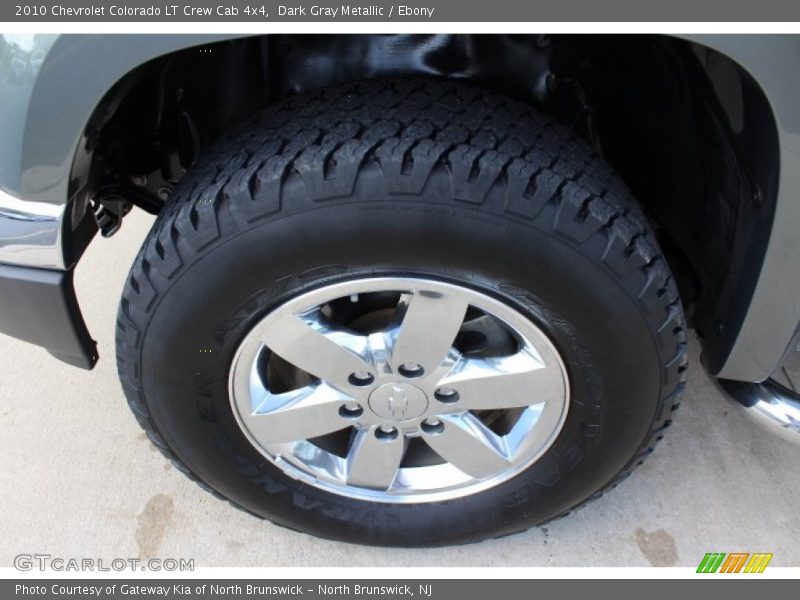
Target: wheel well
689,130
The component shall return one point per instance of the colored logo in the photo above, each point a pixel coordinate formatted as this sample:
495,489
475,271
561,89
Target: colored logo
735,562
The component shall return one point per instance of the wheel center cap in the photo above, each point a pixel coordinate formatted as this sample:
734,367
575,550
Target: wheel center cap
398,401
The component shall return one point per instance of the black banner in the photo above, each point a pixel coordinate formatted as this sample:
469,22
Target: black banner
391,589
411,11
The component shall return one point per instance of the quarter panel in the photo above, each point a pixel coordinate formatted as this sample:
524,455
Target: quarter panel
21,59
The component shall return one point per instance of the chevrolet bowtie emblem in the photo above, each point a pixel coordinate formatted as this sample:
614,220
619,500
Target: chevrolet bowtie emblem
398,402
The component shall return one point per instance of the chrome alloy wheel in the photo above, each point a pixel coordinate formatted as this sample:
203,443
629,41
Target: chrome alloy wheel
398,389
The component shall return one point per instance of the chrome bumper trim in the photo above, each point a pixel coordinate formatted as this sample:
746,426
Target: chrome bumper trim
30,233
769,404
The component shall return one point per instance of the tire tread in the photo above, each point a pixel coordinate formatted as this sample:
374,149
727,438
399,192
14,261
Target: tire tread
484,140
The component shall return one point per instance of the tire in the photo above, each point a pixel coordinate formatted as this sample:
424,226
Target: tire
404,178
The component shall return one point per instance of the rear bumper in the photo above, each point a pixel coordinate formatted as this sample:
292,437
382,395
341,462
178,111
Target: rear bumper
39,306
30,233
37,297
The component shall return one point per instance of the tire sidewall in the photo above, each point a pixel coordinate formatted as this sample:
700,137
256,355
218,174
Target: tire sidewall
201,317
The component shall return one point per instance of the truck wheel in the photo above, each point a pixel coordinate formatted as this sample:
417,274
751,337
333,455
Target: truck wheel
407,312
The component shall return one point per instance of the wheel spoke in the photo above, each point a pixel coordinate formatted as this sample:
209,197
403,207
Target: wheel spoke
466,443
308,343
300,415
373,459
470,387
503,382
431,321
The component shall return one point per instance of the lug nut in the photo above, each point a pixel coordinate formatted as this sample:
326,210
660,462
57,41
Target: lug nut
410,369
446,395
386,432
361,378
432,426
351,410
